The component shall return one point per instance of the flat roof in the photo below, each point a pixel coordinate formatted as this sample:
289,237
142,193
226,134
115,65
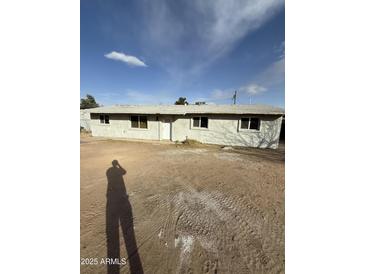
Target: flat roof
189,109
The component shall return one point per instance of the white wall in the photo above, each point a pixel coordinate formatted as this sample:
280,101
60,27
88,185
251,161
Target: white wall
222,130
85,118
120,126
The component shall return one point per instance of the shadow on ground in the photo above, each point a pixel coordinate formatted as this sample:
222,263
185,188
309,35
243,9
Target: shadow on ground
119,213
274,155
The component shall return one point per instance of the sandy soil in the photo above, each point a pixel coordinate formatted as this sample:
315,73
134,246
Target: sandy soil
181,209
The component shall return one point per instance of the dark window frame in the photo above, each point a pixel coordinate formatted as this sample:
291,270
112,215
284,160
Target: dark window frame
139,121
249,124
104,119
134,120
199,119
196,120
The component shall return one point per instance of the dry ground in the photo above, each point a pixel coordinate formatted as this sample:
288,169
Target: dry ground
191,209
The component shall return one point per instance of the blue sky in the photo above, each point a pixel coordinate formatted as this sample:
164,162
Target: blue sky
152,52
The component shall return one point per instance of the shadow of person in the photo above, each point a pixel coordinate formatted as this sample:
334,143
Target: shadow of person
119,212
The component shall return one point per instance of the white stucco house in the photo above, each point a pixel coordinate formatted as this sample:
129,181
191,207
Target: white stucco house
233,125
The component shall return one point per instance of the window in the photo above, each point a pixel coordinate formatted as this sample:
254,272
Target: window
196,121
143,121
134,121
201,122
250,123
204,122
255,123
245,122
138,121
104,119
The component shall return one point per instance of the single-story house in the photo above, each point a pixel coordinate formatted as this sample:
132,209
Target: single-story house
232,125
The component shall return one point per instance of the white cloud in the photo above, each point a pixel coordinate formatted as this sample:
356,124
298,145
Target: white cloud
150,97
271,77
282,49
130,96
139,96
223,95
129,59
219,94
253,89
203,32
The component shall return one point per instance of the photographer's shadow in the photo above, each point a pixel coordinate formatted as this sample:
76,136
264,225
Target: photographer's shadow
119,212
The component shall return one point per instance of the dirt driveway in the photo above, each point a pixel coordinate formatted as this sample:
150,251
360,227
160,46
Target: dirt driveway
180,209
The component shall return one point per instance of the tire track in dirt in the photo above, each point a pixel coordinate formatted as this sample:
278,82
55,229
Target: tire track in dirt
187,220
222,225
249,241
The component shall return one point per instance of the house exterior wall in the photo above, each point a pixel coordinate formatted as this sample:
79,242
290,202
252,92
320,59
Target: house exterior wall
120,126
85,119
222,129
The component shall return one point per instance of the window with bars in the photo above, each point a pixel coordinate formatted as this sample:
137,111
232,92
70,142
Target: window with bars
138,121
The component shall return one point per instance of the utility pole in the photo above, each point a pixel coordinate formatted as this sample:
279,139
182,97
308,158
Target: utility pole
234,97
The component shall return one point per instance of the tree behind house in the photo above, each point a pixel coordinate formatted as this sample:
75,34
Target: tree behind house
181,101
88,102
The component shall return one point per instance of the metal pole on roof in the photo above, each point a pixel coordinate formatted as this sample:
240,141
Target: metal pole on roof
234,97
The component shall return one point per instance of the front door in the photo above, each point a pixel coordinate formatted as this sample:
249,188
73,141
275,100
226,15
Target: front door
166,129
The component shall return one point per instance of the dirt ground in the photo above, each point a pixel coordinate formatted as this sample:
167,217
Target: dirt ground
170,208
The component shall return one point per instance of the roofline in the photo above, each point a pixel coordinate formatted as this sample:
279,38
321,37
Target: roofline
191,113
190,110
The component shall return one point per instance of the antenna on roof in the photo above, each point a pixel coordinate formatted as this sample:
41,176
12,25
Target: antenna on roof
235,97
